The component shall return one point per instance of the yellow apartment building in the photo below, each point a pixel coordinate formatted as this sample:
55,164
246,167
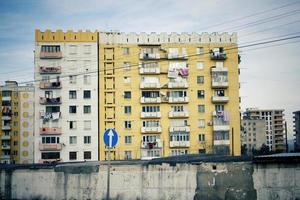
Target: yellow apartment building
169,94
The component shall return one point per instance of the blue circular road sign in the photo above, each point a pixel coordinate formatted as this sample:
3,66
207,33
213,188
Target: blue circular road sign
110,137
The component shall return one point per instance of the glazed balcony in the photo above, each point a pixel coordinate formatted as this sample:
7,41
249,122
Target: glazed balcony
151,145
50,147
150,100
5,137
6,127
149,69
181,84
149,56
179,143
182,114
150,114
178,100
220,99
221,121
51,55
152,129
50,85
50,70
147,155
145,85
50,131
179,129
50,101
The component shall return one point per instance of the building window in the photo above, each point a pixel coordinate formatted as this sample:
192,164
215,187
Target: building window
15,143
200,65
125,51
200,79
127,124
87,79
128,139
72,109
86,94
87,109
87,155
15,124
73,155
127,155
87,125
72,79
220,93
50,140
200,94
127,95
201,108
87,139
219,108
72,94
73,140
201,123
127,79
72,125
199,50
127,109
201,137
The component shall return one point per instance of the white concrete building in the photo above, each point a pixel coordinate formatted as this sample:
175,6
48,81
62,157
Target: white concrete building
66,107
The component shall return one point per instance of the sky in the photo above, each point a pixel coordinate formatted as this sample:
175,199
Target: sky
270,76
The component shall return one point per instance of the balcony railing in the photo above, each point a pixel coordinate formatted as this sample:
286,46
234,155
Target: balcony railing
5,157
152,145
50,70
50,85
173,114
220,99
144,85
5,146
53,55
44,100
182,84
150,100
150,70
178,99
152,129
6,127
179,129
148,154
179,143
219,83
221,142
49,131
5,137
177,56
149,56
6,117
221,121
150,114
6,98
54,146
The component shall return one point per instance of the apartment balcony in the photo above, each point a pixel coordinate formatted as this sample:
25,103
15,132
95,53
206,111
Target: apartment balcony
178,100
218,55
50,70
50,160
148,154
182,114
6,127
50,131
152,145
182,84
150,100
51,55
6,117
219,83
50,116
220,99
50,85
153,129
7,98
179,129
150,70
221,142
5,157
149,56
221,121
50,147
177,56
150,114
145,85
5,147
278,128
179,143
5,137
216,70
50,101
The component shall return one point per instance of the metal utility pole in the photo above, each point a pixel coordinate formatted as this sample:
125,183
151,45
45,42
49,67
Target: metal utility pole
108,174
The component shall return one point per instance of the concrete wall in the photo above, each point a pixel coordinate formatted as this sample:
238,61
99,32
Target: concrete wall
229,180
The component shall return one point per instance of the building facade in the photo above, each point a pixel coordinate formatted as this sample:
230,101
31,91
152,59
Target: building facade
253,134
169,94
274,123
17,116
297,130
66,85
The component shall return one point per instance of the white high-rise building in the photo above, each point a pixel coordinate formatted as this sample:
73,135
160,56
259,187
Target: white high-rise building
66,107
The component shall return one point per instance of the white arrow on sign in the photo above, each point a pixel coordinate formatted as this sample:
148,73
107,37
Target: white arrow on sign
110,135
